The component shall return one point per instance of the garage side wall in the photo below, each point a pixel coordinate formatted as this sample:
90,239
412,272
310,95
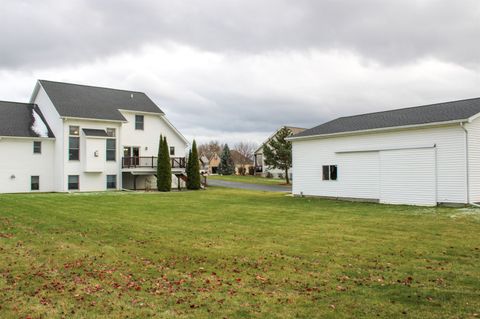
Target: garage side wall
18,164
473,129
359,177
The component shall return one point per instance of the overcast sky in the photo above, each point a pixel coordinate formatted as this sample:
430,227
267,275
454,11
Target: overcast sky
236,70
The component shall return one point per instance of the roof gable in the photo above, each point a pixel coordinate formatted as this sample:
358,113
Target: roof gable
18,120
91,102
419,115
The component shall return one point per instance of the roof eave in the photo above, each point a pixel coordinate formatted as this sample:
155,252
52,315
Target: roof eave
91,119
27,137
382,129
160,113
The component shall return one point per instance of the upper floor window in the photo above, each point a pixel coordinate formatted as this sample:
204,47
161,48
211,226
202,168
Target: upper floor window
172,150
329,172
111,132
139,122
74,130
74,143
111,149
37,147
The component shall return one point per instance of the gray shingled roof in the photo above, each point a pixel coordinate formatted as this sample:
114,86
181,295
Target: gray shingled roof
16,119
419,115
74,100
94,132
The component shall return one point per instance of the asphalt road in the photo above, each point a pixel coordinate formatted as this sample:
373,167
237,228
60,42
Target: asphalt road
255,187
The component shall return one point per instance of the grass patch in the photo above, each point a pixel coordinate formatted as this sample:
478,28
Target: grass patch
248,179
235,254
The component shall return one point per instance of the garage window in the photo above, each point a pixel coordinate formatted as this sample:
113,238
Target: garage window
329,172
37,147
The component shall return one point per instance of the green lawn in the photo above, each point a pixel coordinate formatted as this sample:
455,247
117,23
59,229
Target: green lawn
225,253
248,179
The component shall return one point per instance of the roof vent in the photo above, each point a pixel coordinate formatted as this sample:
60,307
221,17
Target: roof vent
131,95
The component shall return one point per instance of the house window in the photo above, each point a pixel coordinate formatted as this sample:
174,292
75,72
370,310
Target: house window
172,150
35,183
37,147
111,132
329,172
111,181
111,149
139,122
73,182
74,143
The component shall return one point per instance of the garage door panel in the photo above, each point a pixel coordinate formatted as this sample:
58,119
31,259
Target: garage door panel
408,177
359,175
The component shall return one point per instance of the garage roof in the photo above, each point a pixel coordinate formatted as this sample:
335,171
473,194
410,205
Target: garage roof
419,115
92,102
19,120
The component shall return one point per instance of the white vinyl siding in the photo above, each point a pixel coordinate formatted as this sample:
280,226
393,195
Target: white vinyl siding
310,155
408,177
474,159
357,170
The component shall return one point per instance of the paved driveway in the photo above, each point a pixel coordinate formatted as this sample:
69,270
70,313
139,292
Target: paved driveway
255,187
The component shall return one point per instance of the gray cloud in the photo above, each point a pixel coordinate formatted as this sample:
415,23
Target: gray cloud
52,32
238,69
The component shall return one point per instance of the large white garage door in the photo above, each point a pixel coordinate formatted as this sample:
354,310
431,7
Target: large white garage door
408,177
359,175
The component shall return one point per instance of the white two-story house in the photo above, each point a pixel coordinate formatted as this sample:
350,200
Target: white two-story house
73,137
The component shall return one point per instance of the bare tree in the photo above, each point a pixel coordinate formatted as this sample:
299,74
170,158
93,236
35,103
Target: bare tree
210,148
243,154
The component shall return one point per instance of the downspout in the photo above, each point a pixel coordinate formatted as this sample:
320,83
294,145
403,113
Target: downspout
467,169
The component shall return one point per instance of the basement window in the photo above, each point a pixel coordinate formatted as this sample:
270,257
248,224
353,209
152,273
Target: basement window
111,181
35,183
73,182
329,172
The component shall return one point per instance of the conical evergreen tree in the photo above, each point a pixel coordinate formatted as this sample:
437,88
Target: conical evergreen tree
194,169
226,167
159,156
188,169
164,176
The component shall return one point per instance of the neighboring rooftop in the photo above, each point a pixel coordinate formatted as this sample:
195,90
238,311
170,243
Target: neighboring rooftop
92,102
293,129
419,115
22,120
238,158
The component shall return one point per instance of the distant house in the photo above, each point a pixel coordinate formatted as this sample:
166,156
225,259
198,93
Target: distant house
73,137
213,164
204,164
259,160
242,163
421,155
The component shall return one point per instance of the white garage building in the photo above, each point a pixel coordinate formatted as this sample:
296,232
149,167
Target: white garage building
424,155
